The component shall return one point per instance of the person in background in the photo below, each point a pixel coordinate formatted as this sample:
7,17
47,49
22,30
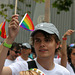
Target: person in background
45,40
25,51
14,52
69,53
71,58
64,49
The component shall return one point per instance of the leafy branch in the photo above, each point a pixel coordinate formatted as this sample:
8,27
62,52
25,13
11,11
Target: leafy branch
62,5
5,7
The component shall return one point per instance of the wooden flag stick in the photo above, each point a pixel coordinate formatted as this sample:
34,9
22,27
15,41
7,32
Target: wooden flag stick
15,6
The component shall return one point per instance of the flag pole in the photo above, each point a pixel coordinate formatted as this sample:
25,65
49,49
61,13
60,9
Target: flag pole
15,6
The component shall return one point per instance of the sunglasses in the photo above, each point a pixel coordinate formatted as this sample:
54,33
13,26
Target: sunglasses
16,51
72,45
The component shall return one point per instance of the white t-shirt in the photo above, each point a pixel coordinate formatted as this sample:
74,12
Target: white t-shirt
23,66
57,60
8,62
68,67
19,58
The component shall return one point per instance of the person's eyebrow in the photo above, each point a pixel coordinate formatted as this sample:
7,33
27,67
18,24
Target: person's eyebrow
36,38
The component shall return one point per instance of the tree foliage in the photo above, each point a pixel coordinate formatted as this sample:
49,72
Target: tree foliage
5,7
61,5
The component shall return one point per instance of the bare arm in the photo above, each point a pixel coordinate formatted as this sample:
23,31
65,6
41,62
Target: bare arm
64,48
13,30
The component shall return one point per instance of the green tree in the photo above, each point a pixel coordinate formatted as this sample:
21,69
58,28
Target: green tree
62,5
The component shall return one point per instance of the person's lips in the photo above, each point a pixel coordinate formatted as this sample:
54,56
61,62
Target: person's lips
43,50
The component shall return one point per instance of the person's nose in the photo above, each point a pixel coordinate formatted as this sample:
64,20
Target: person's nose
42,44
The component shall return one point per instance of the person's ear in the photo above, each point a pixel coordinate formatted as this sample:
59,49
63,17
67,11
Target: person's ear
58,45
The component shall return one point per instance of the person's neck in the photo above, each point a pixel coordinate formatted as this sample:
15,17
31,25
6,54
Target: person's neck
24,57
46,63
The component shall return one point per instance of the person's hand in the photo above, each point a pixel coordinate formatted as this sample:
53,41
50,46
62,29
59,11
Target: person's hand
69,32
13,27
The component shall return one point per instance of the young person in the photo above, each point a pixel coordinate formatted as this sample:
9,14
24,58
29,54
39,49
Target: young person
14,52
45,39
25,51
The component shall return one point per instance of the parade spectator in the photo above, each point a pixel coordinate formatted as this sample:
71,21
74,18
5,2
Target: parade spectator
14,52
45,39
69,53
25,51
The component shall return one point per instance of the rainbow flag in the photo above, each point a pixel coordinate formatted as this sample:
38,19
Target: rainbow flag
2,30
27,23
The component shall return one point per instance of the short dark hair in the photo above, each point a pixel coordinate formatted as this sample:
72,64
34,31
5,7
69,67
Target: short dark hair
46,35
15,45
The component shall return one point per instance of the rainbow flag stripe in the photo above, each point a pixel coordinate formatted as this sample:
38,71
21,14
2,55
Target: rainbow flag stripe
2,30
27,23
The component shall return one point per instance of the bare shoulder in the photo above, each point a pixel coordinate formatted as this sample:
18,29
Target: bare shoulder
6,71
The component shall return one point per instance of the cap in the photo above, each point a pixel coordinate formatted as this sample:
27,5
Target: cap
26,45
47,27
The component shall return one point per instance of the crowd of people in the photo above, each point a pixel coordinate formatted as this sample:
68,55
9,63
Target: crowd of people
52,56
